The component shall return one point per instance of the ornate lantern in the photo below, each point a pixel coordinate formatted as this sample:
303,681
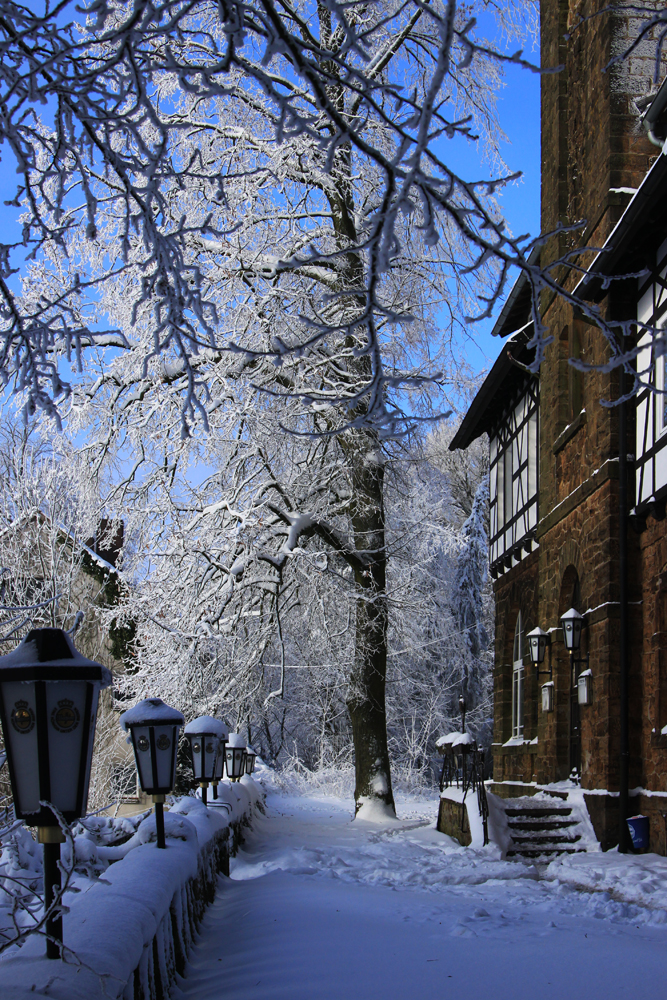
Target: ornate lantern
250,758
571,623
538,641
154,730
235,753
205,735
48,707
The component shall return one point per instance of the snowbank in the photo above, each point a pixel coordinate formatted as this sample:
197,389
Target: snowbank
128,933
627,878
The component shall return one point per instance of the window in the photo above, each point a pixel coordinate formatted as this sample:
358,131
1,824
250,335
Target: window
661,386
517,680
513,466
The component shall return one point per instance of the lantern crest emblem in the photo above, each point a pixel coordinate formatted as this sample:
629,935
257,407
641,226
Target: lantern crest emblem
65,716
22,717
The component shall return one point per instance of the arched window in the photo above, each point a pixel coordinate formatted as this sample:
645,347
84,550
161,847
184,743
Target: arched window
517,680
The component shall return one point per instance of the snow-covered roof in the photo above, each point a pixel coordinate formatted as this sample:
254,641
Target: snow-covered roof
151,712
206,724
51,646
236,740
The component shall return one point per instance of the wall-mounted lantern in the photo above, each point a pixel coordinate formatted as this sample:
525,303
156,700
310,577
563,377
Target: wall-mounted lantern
220,762
154,730
584,688
205,735
571,623
235,754
548,697
538,640
250,758
48,707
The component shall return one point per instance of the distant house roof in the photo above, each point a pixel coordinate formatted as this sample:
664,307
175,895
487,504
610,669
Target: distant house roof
505,376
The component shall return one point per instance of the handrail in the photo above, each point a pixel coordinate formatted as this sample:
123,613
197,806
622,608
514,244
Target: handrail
465,765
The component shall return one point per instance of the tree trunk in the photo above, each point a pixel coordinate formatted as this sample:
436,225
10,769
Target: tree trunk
366,700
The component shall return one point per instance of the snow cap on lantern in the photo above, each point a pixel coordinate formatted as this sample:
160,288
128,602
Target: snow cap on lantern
48,705
235,754
154,730
205,736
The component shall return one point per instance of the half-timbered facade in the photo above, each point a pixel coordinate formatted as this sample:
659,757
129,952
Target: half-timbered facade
579,487
513,477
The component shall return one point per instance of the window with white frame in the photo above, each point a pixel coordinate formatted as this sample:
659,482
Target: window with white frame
517,680
513,465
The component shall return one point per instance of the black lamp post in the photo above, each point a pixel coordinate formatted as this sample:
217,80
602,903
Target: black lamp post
205,735
48,707
154,730
220,762
250,758
235,753
462,708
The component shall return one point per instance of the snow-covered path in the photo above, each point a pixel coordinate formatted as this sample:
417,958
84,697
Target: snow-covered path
319,908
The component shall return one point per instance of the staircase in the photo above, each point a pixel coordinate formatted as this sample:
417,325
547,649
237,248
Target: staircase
540,830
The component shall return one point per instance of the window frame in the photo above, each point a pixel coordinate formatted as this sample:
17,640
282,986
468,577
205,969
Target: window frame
518,679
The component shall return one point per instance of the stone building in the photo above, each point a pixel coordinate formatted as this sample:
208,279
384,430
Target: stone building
578,488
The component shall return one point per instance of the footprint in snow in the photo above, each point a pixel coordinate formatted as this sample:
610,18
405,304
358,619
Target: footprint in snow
461,930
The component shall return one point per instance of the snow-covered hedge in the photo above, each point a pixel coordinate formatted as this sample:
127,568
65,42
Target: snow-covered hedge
128,933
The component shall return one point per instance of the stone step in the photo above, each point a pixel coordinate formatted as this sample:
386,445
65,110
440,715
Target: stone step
532,811
543,852
545,825
542,831
547,839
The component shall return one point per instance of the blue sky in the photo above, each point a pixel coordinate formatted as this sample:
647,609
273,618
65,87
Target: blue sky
519,113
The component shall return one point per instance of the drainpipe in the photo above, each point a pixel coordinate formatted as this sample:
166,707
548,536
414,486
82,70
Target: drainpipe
624,763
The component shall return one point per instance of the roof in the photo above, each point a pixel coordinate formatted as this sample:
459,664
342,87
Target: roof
632,243
505,376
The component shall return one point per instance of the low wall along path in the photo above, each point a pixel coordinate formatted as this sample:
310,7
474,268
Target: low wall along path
128,934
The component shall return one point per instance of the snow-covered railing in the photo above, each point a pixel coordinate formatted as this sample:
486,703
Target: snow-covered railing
127,934
463,765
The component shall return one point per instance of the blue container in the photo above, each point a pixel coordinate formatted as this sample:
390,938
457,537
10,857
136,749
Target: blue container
638,826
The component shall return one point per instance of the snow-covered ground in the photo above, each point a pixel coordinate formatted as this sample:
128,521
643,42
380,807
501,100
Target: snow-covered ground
321,908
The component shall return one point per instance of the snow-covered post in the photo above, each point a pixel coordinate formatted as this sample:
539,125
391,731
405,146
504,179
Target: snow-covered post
154,730
48,706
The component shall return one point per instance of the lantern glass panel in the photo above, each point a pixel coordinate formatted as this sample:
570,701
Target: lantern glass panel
235,761
68,721
204,749
250,762
21,733
166,741
155,754
220,762
141,740
571,623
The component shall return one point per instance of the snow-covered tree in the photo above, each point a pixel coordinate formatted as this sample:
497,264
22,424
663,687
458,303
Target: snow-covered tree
319,277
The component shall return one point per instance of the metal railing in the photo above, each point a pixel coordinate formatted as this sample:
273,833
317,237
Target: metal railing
463,767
